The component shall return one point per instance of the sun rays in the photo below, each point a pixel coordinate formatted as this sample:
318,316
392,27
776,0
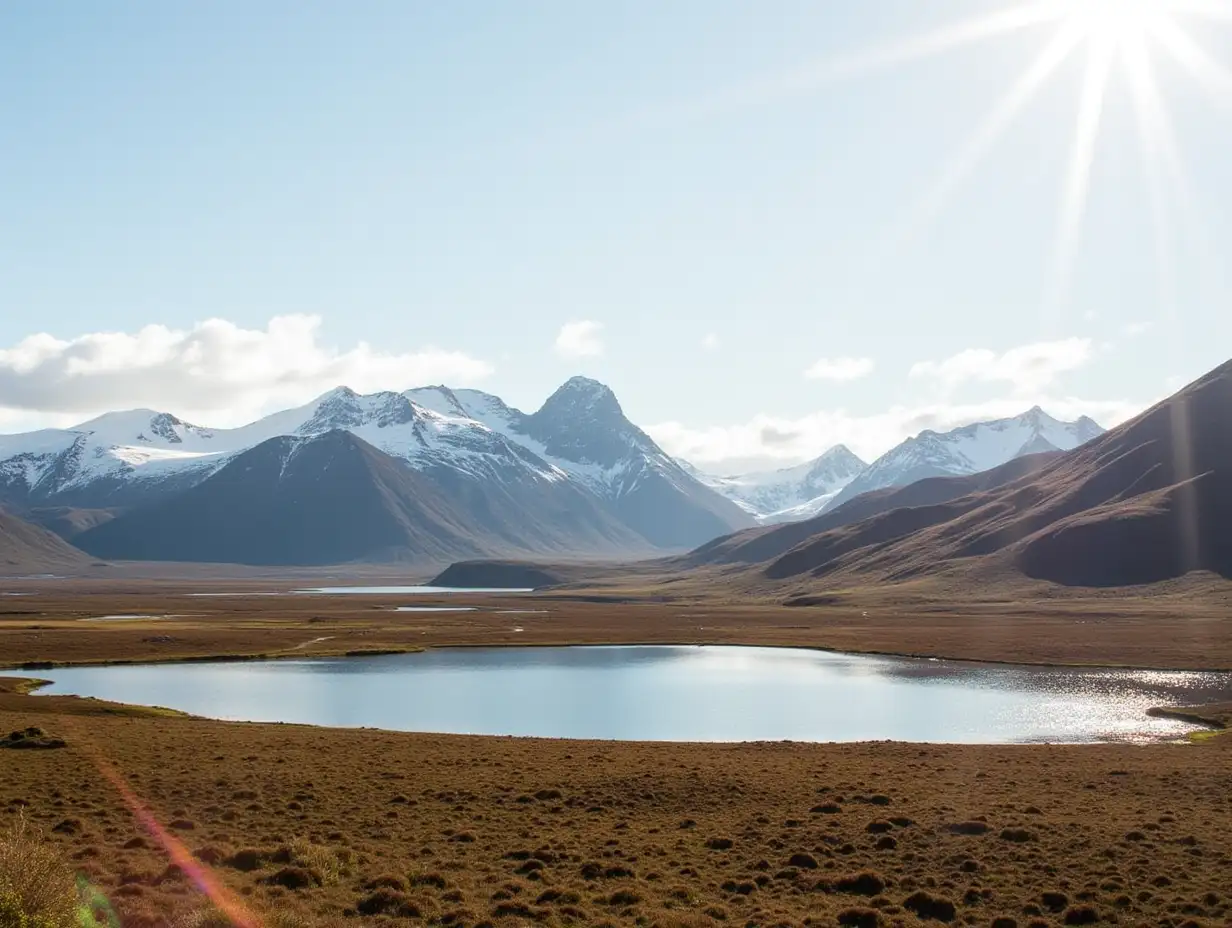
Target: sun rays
1119,40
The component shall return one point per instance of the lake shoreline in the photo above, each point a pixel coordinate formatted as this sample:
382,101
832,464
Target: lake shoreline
675,831
323,653
1189,700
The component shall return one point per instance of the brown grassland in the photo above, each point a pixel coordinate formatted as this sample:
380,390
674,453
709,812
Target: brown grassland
337,826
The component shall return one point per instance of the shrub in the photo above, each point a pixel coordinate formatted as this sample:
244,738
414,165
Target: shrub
927,906
327,865
37,888
859,917
865,883
31,739
387,902
292,878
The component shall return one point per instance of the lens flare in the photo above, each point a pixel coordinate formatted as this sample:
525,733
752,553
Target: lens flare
200,875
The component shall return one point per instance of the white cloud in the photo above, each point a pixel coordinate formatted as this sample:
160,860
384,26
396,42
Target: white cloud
1027,369
711,342
770,441
580,339
1134,329
840,369
215,368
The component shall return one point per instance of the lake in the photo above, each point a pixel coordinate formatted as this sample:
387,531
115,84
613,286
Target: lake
669,693
408,590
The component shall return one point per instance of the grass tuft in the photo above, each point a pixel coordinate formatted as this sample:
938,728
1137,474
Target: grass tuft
37,887
328,866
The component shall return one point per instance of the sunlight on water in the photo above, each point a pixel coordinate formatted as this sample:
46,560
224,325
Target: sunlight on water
676,693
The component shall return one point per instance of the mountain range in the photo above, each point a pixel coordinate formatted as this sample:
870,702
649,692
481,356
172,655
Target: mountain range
789,493
429,474
1146,502
837,476
434,475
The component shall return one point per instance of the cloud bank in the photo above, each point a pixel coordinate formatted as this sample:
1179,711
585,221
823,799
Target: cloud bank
774,441
214,367
579,339
1027,368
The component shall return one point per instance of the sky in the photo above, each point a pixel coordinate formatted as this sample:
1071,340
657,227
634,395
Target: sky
769,226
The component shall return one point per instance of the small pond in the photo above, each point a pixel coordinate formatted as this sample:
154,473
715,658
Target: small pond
670,693
408,590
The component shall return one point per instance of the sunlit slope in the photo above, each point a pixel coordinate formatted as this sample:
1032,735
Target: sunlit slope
1149,501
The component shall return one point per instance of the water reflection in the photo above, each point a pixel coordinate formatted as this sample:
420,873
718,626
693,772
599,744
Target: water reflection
679,693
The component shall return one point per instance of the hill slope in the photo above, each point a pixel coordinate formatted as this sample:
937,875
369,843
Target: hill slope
968,450
754,545
27,548
1148,501
334,498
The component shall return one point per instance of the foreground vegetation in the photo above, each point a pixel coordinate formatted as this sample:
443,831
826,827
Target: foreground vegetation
37,887
332,827
149,818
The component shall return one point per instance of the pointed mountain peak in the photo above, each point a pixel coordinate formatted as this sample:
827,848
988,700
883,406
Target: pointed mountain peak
439,399
1035,416
835,463
840,453
340,393
585,386
583,397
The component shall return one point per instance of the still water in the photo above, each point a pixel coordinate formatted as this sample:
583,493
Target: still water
409,590
669,693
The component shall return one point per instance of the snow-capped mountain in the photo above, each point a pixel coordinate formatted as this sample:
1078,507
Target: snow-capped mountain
469,442
968,450
582,431
791,493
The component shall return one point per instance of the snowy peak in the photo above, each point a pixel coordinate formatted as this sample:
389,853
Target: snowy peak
581,398
345,409
838,465
141,427
582,423
578,458
790,493
1085,429
970,449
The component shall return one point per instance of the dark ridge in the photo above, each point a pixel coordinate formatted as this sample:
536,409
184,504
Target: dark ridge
762,544
1147,502
499,575
326,500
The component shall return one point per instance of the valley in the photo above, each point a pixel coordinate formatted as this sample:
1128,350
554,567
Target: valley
1100,564
317,825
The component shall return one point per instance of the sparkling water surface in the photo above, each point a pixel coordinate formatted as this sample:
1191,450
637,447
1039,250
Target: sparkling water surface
670,693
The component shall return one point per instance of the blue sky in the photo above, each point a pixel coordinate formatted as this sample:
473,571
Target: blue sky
700,202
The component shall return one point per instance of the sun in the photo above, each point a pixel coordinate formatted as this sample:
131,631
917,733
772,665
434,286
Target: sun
1115,40
1115,22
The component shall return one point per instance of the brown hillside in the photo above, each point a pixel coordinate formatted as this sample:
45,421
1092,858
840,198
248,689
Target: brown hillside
1149,501
761,544
27,548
